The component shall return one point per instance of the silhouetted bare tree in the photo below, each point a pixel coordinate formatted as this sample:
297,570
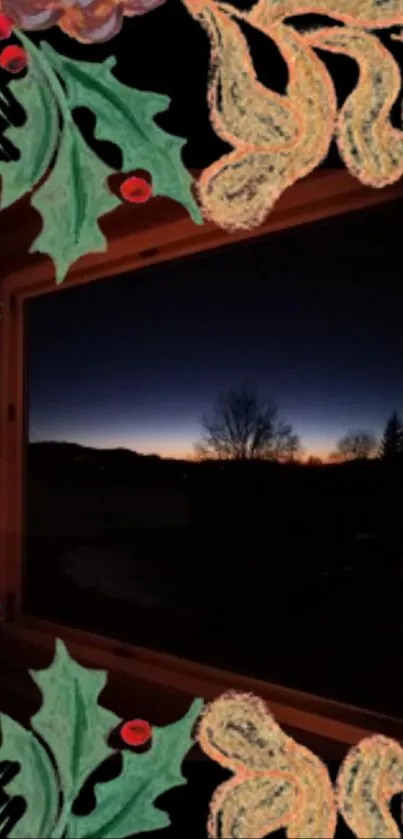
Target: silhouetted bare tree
244,427
355,445
391,445
313,460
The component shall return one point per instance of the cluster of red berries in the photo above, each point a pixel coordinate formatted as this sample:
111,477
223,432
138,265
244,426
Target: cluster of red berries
13,58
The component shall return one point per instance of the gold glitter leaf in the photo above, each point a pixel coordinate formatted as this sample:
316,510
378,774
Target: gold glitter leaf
276,783
252,807
238,190
237,731
368,14
315,814
370,146
370,775
242,110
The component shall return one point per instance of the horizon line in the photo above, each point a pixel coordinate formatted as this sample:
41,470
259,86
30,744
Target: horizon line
325,460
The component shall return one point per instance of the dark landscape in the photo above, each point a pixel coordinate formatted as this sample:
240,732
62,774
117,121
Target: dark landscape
237,564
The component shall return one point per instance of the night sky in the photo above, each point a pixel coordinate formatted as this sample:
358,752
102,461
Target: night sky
312,316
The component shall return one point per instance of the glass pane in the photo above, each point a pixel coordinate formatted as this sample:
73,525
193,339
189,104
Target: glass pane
256,555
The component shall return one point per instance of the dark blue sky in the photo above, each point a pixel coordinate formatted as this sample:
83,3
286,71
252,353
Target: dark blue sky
313,316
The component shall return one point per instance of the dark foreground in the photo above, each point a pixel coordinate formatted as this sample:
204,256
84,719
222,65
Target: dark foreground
290,574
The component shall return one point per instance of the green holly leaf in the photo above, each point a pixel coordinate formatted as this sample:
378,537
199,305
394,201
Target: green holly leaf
125,117
36,140
72,199
36,780
71,722
125,806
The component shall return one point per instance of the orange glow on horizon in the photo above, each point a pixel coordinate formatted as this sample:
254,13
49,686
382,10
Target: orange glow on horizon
174,450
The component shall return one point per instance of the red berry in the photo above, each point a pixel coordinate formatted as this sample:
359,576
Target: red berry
6,27
13,59
136,732
136,190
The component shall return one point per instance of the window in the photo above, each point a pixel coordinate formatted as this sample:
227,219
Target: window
273,559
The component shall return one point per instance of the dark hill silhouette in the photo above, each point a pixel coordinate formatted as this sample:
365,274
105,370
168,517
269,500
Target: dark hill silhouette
67,452
72,461
321,502
61,457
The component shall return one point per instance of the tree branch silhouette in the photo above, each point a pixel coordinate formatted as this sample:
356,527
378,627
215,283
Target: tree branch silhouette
245,427
355,445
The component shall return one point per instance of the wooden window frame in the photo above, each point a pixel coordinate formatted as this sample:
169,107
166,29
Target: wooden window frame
158,232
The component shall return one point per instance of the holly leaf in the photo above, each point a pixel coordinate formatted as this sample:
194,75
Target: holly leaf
72,199
125,116
125,806
36,140
36,780
71,722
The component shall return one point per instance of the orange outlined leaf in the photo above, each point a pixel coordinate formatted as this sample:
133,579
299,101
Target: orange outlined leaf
242,110
368,14
371,774
239,189
370,146
276,783
252,807
237,731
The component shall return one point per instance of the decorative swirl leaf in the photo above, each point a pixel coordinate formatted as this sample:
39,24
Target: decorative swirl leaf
125,116
369,14
276,783
238,190
270,800
242,110
371,774
125,806
36,780
238,732
370,146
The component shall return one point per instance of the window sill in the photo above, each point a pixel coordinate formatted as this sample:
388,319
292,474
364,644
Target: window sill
161,687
